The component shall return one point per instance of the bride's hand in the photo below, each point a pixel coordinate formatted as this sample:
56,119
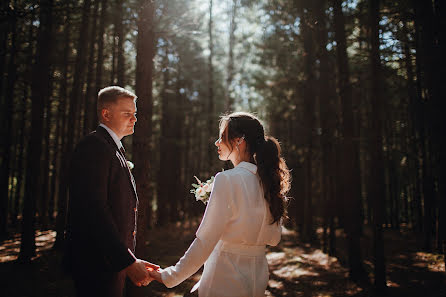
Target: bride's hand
156,275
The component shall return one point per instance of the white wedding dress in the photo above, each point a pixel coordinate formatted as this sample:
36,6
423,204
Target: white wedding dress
231,239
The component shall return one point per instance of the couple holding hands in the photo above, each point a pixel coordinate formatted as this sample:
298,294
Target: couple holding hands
243,215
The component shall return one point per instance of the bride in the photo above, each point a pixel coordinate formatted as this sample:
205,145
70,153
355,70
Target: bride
243,215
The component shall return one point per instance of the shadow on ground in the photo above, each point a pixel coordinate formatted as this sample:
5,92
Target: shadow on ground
296,269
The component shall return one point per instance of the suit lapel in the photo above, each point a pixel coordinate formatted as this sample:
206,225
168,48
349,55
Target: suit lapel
100,131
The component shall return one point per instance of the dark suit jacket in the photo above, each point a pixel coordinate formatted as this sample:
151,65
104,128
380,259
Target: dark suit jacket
102,209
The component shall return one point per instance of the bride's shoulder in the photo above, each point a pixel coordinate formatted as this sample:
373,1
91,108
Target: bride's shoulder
226,176
228,172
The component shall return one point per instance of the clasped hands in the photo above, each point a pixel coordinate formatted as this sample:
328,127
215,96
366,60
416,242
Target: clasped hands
141,272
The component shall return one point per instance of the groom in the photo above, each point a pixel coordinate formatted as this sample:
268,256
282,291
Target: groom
102,211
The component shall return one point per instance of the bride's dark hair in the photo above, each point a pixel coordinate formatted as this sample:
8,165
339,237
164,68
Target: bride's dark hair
265,153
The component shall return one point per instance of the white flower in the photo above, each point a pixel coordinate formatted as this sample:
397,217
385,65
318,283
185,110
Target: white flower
130,165
200,192
207,188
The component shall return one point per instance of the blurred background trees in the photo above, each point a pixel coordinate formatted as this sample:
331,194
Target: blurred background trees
352,89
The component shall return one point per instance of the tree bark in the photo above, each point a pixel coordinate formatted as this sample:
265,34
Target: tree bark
440,24
67,142
45,171
350,158
211,129
4,31
90,96
309,95
414,127
177,158
145,52
119,27
164,197
39,91
326,114
77,96
100,60
377,191
425,68
21,170
7,137
230,67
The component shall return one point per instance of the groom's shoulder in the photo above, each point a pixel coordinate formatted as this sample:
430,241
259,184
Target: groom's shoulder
91,138
92,141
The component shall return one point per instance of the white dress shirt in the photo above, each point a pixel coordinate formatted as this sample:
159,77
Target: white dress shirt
231,238
113,135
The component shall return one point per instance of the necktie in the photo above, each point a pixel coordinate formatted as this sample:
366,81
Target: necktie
122,150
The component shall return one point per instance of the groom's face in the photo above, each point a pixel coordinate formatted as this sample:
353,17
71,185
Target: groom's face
121,116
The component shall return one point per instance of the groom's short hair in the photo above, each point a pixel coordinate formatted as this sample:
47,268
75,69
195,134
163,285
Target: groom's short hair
110,95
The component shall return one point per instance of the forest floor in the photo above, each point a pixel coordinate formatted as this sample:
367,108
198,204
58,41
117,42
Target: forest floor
296,269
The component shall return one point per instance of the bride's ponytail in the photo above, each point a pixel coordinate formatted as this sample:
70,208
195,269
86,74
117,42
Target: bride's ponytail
266,153
274,175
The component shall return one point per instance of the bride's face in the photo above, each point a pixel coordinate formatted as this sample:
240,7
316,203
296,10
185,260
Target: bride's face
223,149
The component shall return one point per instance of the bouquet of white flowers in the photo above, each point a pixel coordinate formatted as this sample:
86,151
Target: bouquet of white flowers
202,190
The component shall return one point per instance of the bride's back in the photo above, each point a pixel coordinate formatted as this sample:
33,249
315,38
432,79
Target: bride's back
251,219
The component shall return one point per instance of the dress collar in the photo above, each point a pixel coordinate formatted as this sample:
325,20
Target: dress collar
113,135
249,166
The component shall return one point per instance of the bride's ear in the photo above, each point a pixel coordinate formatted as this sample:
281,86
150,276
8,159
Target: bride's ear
240,140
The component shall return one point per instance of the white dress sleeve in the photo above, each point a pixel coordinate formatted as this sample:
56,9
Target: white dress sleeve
217,214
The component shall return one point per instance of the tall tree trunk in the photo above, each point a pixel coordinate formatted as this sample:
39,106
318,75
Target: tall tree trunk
45,171
21,171
210,107
56,159
78,78
114,57
100,59
414,126
326,113
119,27
350,159
165,144
230,67
4,31
90,96
39,91
7,137
309,96
177,158
145,52
425,74
440,25
377,191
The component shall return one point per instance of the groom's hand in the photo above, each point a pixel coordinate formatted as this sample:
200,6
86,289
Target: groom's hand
150,266
138,273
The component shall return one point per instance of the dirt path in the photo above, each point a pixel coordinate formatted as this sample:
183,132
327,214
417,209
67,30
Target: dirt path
296,269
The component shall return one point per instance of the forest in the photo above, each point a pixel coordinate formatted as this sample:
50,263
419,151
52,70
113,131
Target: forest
351,89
